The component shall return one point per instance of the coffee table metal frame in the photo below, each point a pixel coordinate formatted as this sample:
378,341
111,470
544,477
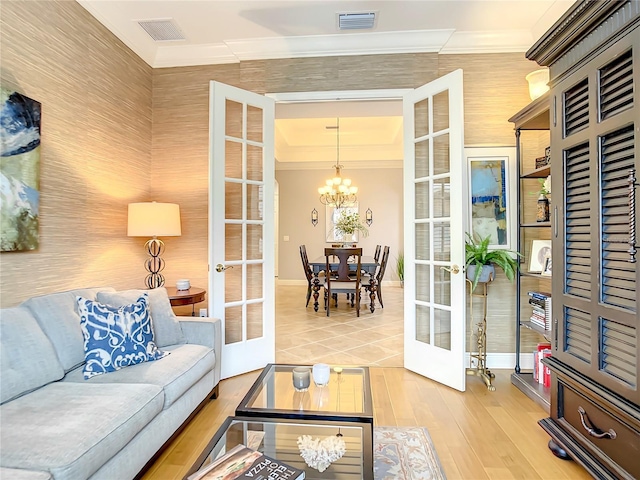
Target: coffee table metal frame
366,416
219,441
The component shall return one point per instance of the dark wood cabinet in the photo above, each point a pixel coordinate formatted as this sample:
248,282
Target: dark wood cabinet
593,53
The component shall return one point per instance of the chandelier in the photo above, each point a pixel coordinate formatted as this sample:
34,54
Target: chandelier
337,191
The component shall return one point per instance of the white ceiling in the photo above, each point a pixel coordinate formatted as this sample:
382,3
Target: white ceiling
219,31
230,31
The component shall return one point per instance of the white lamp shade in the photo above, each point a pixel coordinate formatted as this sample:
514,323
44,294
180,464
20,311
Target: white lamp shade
538,83
152,219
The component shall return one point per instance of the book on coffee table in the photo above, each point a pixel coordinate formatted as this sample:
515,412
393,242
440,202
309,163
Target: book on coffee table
242,463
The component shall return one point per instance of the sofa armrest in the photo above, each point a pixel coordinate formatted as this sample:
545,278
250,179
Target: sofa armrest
204,331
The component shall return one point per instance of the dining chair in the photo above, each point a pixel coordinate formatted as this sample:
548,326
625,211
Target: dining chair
376,255
380,274
307,271
338,280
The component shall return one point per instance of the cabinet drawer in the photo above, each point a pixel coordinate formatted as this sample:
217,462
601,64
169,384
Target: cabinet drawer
612,439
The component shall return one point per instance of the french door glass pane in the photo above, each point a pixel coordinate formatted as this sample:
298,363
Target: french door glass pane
441,154
441,111
422,200
233,284
423,324
233,201
254,281
422,159
255,202
441,198
233,159
254,163
232,324
233,242
233,119
422,241
442,287
254,124
421,113
254,320
442,328
442,242
423,283
254,242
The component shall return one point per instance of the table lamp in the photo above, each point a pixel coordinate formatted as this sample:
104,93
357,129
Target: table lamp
152,219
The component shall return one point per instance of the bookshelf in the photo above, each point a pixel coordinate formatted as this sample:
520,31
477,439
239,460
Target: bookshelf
532,137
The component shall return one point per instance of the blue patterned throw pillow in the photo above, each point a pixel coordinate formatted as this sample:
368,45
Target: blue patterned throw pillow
116,337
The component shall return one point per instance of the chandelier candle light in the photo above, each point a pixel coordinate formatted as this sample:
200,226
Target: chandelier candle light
338,192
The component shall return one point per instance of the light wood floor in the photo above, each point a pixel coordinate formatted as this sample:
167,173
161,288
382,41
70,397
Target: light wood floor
478,434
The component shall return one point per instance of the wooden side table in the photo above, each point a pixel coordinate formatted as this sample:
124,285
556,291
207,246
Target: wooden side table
186,297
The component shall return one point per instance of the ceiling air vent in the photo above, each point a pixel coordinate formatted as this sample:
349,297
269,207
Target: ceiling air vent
356,21
162,30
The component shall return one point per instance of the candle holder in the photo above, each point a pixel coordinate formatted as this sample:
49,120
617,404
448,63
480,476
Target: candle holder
321,374
301,377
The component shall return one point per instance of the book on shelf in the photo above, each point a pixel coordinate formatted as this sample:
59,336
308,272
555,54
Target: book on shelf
538,367
539,295
242,463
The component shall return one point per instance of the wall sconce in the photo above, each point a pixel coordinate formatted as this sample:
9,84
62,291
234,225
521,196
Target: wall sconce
314,217
368,217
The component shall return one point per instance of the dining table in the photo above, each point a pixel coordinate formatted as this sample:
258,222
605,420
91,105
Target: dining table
368,265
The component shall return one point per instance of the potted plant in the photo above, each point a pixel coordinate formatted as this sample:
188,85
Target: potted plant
480,261
350,223
400,268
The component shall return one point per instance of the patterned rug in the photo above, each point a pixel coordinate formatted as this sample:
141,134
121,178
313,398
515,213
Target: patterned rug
405,453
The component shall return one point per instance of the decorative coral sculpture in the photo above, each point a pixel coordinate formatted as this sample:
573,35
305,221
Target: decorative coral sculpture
319,454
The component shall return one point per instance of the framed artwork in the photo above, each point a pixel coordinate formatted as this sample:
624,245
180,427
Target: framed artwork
332,215
19,171
492,212
540,250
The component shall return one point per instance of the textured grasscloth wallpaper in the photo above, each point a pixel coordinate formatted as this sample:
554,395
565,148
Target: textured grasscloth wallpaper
116,131
96,147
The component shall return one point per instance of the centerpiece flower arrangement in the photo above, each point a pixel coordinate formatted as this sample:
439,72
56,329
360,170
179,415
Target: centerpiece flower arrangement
350,223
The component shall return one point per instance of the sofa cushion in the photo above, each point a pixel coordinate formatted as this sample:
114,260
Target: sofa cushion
116,337
176,373
166,327
72,429
27,358
58,316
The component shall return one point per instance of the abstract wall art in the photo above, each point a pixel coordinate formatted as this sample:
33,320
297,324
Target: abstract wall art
19,171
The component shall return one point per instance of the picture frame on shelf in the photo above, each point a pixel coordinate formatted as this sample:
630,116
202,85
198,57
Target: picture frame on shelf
540,250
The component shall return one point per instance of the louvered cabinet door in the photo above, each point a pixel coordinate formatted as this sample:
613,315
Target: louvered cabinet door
595,137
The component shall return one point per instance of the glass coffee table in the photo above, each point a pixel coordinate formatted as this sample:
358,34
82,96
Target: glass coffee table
278,437
346,398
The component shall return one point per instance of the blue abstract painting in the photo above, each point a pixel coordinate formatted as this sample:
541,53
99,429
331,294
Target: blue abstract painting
19,171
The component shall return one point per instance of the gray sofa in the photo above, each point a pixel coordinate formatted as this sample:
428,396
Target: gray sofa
54,424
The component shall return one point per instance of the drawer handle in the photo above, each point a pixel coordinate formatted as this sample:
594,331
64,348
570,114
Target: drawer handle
593,431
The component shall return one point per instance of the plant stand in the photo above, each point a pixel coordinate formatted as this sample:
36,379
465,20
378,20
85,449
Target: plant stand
478,337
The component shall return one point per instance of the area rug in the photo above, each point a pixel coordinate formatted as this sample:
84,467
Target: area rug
405,453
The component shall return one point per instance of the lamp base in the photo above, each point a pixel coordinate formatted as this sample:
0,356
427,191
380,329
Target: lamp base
154,264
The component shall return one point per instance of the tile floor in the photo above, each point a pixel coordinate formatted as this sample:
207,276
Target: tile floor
305,336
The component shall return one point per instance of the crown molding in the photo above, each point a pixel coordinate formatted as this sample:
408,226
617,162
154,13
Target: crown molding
488,42
445,41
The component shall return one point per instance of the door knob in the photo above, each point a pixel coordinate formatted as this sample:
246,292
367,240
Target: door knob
221,268
455,269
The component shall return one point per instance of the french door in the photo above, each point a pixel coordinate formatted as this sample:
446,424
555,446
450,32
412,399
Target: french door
241,226
435,206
